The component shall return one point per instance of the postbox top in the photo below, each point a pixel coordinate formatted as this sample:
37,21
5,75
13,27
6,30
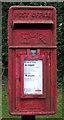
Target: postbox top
33,14
41,22
33,7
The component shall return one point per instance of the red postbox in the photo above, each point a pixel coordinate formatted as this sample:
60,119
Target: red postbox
32,77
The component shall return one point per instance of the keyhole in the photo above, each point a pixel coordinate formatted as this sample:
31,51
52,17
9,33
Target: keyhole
19,79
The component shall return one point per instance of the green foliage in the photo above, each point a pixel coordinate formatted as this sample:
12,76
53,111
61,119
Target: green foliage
60,38
5,112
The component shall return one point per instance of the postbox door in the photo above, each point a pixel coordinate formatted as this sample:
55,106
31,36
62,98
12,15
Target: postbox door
41,62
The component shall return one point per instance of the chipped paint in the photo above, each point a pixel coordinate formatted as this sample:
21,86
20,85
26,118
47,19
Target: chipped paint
32,28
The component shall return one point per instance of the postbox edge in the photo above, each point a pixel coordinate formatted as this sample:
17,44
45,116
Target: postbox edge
36,7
